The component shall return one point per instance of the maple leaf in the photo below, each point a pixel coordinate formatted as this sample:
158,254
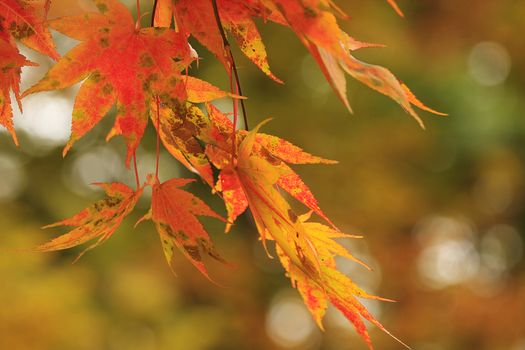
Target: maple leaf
20,19
179,131
330,285
331,48
183,126
236,16
120,63
305,249
313,22
163,13
11,62
97,221
273,150
174,212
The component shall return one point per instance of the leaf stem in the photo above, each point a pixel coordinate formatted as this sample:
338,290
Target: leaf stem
153,12
157,101
136,169
235,118
139,17
227,47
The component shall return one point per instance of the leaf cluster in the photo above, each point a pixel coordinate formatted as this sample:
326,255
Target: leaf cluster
144,73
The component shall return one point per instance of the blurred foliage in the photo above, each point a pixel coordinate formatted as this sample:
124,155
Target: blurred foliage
442,210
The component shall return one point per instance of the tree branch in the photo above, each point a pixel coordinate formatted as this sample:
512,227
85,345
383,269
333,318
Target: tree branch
227,47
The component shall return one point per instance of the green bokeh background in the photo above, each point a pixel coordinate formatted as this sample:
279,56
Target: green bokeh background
441,210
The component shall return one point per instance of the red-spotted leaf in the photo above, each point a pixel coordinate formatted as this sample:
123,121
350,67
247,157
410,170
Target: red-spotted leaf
98,221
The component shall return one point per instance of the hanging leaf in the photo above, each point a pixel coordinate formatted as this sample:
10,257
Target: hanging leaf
174,212
119,64
11,62
21,20
97,221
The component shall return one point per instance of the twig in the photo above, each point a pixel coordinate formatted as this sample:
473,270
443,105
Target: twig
153,12
157,101
138,11
227,47
137,180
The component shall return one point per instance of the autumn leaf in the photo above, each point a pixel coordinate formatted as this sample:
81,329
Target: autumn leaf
179,132
274,150
306,249
313,22
11,62
331,285
174,212
97,221
21,20
120,63
140,71
271,212
236,16
163,13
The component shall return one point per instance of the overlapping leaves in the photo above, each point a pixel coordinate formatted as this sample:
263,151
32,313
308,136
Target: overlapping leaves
149,65
19,20
143,71
315,24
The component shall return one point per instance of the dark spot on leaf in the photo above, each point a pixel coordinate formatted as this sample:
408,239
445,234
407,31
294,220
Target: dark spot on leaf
104,42
103,8
193,252
146,60
309,12
107,89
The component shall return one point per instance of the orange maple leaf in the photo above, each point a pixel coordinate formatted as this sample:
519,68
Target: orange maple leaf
20,19
11,62
314,23
276,151
305,249
100,220
174,212
120,63
236,16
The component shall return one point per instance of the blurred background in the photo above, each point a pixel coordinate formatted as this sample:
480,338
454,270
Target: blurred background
441,210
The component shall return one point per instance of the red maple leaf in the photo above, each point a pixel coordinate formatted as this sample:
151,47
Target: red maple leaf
121,64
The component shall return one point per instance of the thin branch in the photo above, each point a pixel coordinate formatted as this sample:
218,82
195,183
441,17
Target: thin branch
138,11
137,180
235,118
153,12
157,101
227,47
